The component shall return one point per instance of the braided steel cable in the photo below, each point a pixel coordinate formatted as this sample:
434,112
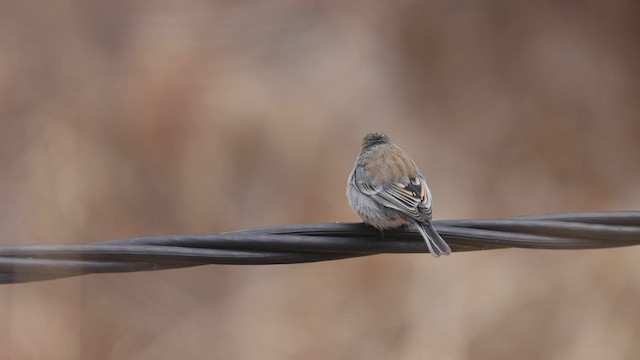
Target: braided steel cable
304,243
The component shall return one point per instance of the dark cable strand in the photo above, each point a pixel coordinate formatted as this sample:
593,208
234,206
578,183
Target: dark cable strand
304,243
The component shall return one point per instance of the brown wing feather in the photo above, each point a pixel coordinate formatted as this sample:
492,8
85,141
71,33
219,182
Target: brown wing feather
385,168
409,194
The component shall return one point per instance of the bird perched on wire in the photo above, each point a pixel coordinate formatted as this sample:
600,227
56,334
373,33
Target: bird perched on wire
387,190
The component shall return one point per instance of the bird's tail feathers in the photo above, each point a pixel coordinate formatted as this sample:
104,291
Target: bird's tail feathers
437,246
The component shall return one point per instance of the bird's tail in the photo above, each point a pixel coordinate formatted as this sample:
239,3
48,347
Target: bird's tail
437,246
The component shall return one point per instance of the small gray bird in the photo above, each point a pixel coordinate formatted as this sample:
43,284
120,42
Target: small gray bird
387,190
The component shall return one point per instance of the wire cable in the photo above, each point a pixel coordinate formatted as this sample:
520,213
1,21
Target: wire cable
305,243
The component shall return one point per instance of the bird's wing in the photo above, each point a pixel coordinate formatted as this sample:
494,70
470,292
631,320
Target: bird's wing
410,196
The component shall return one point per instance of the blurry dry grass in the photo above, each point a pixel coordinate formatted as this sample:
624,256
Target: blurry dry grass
122,118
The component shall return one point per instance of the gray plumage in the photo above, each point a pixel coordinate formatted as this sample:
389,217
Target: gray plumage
387,190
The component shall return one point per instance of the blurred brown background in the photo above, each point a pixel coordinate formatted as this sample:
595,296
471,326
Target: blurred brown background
129,118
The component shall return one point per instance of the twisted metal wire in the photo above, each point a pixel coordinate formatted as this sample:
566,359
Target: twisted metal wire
303,243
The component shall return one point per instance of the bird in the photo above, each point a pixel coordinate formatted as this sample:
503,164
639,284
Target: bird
387,191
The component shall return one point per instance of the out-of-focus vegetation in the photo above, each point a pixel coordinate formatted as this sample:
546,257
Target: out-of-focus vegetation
127,118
